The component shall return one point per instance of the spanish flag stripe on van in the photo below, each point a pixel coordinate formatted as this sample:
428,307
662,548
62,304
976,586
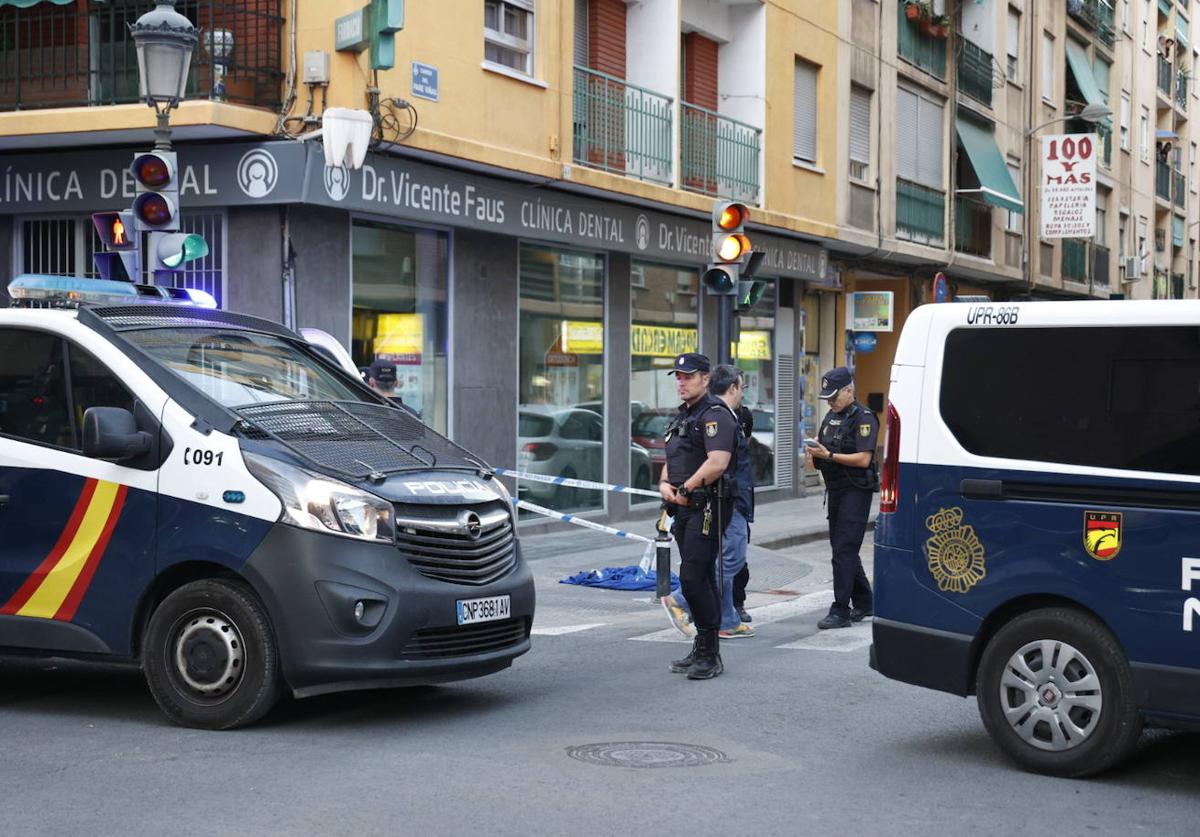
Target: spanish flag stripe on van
57,581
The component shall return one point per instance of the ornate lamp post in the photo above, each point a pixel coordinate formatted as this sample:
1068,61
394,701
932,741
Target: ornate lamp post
165,40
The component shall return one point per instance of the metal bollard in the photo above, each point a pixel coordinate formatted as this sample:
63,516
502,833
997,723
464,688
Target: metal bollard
662,556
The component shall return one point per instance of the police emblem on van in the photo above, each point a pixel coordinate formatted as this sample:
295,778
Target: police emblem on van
1102,534
956,557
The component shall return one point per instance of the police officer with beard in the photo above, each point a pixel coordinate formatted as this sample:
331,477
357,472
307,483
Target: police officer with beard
845,456
700,443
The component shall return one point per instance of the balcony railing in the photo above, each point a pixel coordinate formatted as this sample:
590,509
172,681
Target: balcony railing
1100,266
1104,136
55,56
1165,72
719,156
1162,180
1106,29
1181,86
915,47
1179,187
920,213
973,228
620,127
1074,259
974,71
1085,11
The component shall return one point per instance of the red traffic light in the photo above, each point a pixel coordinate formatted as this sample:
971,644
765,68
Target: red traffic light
153,209
730,216
116,230
152,171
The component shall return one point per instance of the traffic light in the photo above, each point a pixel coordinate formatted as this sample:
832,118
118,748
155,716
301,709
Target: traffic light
156,206
749,292
730,248
121,258
169,251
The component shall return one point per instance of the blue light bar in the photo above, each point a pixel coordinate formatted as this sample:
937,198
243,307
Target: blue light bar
34,290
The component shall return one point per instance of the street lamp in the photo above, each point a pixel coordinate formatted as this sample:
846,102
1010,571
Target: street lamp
164,40
1090,113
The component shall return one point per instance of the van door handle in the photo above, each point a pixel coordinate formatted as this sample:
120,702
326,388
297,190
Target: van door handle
982,489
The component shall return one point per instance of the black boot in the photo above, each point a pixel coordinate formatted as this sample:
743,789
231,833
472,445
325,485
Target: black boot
707,664
681,666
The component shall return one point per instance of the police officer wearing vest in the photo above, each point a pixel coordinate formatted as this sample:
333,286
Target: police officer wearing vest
845,456
700,443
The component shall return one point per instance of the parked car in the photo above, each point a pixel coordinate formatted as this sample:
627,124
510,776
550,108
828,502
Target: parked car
648,431
635,407
568,442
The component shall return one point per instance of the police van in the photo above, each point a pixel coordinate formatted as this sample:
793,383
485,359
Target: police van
1038,542
207,495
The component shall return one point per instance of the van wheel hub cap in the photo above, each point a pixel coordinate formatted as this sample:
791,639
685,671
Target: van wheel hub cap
209,653
1050,695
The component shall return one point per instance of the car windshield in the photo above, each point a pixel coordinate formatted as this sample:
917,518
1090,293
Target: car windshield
238,368
651,424
532,424
763,420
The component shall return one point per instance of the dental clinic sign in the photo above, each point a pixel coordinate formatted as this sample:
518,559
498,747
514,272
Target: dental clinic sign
1069,185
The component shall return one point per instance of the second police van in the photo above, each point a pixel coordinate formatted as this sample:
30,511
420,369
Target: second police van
1038,543
207,495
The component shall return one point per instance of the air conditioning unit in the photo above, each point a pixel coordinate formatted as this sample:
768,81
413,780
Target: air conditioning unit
1132,268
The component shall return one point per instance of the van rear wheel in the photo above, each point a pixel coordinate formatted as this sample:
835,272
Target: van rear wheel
1056,694
210,657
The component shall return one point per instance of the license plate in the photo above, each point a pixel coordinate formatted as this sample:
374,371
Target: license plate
490,609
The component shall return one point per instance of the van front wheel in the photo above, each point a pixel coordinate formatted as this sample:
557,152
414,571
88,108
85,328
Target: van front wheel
210,657
1056,694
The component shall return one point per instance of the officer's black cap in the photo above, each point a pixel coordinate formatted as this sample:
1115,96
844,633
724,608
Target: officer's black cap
835,380
383,371
690,362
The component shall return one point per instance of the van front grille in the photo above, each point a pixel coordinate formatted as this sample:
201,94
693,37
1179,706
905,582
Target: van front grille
463,640
475,545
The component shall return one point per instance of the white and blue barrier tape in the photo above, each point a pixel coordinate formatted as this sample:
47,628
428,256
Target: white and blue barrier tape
574,483
578,521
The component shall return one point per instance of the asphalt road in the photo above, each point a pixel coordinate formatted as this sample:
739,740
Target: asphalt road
798,737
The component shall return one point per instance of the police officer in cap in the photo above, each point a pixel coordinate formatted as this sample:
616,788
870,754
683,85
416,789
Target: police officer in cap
700,443
845,456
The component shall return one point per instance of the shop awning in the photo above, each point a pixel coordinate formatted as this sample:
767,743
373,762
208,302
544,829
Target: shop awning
1081,68
25,4
995,183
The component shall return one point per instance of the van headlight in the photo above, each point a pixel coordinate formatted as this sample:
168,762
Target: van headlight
312,501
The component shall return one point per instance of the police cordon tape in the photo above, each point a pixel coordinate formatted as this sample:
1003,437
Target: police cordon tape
578,521
571,482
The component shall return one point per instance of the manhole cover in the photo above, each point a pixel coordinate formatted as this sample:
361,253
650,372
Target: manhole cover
647,754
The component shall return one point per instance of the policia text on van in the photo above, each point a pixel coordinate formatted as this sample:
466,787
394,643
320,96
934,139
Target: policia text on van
205,494
1039,527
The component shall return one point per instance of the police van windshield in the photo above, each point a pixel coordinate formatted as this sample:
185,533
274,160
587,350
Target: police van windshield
237,368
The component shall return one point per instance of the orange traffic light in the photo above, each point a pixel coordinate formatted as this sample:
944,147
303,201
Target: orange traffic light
732,215
733,247
118,231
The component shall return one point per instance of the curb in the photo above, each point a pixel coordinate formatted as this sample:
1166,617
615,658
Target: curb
803,537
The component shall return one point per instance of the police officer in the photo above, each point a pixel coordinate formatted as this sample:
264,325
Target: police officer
845,454
700,443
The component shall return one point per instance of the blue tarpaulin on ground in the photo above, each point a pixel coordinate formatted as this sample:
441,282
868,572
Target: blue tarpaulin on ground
619,578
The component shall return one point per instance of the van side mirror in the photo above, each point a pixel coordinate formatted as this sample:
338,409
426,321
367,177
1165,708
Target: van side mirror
111,433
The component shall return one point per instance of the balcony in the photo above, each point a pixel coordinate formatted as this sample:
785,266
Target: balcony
1104,139
974,72
1106,29
1100,266
719,156
1181,86
973,228
1074,260
1164,77
620,127
66,56
923,51
1179,187
920,213
1162,180
1087,12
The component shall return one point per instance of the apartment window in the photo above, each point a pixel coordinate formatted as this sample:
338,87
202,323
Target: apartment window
508,34
1122,232
1147,32
1124,122
920,118
1125,16
1047,66
1013,221
1014,45
1101,218
1192,168
860,132
804,135
1144,134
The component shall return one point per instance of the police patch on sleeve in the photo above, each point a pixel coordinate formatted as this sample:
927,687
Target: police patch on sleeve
710,429
864,430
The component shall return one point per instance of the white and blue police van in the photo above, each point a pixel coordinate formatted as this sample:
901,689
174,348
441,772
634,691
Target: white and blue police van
1038,542
210,497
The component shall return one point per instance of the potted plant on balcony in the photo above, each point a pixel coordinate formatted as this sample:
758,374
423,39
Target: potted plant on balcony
941,26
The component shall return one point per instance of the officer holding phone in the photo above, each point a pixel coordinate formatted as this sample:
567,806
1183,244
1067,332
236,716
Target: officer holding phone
844,453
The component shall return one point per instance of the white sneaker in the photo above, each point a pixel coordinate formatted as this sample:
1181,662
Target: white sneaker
679,617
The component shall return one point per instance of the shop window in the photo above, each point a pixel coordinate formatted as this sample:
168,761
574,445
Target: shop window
754,354
809,372
399,320
664,317
561,375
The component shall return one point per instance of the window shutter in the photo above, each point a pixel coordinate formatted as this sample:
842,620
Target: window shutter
1014,33
929,143
804,136
581,33
860,124
906,134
